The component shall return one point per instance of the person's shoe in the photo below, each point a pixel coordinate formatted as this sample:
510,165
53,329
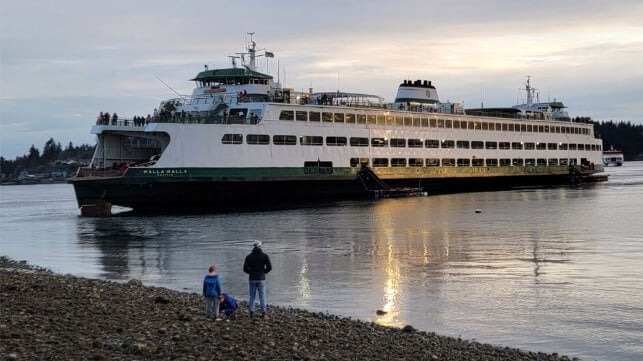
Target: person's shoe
218,319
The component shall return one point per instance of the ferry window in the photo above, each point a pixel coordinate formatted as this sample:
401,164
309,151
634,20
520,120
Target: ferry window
361,118
311,140
398,142
517,162
572,146
541,161
380,162
552,146
339,117
379,142
432,162
581,147
408,121
563,146
398,162
359,142
301,116
390,120
371,119
541,146
336,141
568,130
433,123
504,127
498,126
327,117
476,125
399,120
563,161
511,127
505,162
485,126
529,128
417,122
447,144
477,144
464,144
546,128
541,129
359,161
447,123
503,145
492,126
425,122
463,162
257,139
529,146
448,162
552,161
432,143
232,139
557,129
523,127
456,124
350,118
381,119
477,162
287,115
516,145
314,116
530,162
416,162
491,145
440,123
284,140
415,143
491,162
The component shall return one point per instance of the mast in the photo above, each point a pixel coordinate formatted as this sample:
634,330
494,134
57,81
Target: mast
251,51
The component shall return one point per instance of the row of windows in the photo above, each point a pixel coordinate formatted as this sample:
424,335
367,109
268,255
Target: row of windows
460,162
401,142
414,120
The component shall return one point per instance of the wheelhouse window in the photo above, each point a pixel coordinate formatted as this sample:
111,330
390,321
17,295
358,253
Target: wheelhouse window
359,142
398,142
379,142
541,161
448,162
503,145
477,144
311,140
287,115
552,146
432,162
530,162
562,146
359,161
477,162
541,146
530,146
491,162
336,141
314,117
505,162
448,144
361,118
339,117
463,162
552,161
284,140
327,117
349,118
517,162
516,145
232,139
464,144
491,145
257,139
563,161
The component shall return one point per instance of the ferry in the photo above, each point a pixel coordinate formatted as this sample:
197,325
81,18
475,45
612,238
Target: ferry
242,139
612,158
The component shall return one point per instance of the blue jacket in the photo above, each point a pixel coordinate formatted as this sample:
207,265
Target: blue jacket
211,286
228,305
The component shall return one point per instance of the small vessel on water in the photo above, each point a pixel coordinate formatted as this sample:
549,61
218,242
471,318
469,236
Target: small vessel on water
612,158
241,138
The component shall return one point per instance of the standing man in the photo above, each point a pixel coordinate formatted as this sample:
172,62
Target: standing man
256,265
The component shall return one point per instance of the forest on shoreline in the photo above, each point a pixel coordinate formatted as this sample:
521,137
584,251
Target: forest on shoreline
624,136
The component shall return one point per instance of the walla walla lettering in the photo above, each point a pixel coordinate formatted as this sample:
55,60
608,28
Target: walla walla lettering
166,172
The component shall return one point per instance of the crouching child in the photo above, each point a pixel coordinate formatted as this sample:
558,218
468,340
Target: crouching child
227,305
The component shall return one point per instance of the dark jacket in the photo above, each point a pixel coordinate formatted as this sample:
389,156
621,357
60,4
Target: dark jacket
228,305
257,264
211,286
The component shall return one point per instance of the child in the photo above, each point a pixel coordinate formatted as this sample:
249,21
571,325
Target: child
227,305
211,292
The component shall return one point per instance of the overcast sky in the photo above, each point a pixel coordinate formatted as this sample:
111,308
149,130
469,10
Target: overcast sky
62,62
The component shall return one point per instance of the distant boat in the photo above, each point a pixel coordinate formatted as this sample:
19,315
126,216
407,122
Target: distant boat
613,158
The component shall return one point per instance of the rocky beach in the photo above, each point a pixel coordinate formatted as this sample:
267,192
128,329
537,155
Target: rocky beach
45,316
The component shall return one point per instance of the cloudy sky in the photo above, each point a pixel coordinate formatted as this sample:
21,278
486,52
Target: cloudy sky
62,62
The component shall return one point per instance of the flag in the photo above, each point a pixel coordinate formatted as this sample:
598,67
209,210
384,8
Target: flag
270,54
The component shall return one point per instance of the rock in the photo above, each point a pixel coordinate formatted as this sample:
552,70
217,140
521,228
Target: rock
135,283
408,328
161,300
381,312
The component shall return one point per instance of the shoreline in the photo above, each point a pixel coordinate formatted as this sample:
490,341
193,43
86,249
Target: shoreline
44,315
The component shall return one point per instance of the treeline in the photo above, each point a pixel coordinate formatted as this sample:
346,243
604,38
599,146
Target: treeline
623,136
52,158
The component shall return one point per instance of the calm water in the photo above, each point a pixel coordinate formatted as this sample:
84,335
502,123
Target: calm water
555,270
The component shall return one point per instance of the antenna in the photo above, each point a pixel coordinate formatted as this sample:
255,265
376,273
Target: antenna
169,87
